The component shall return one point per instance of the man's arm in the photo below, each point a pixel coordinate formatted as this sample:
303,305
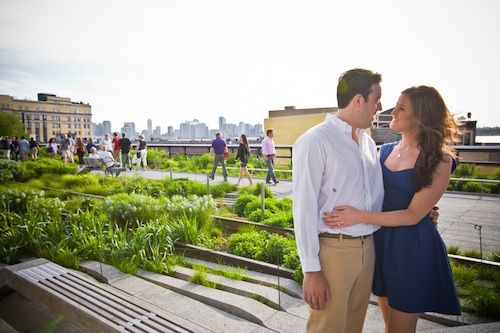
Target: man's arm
308,166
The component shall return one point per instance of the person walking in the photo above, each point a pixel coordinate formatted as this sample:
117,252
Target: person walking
80,151
116,146
412,270
218,148
5,143
52,148
269,155
124,145
142,153
14,148
24,149
335,163
66,150
243,155
34,149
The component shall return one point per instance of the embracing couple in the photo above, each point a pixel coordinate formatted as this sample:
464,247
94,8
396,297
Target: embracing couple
362,218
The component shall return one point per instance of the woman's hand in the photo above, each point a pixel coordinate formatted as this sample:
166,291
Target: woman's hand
341,217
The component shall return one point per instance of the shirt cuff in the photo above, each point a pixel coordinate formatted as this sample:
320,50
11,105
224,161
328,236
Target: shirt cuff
310,265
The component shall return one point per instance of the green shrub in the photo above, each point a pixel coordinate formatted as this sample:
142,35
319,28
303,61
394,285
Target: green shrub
282,219
275,248
254,205
130,209
256,215
486,301
75,181
247,244
472,254
475,187
17,200
8,170
465,170
240,203
454,250
495,256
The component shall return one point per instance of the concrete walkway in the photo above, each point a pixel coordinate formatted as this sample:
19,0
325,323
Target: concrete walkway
461,215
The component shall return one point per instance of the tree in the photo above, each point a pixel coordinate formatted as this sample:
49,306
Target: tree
11,125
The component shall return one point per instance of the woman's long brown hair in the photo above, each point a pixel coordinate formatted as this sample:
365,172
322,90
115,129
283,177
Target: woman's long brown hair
436,131
245,142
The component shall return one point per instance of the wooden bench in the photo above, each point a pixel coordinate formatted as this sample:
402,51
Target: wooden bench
98,164
90,305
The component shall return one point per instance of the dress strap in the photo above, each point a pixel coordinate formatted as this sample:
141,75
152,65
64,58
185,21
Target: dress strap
386,150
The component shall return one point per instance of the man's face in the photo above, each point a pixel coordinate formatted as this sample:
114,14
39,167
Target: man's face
371,106
271,134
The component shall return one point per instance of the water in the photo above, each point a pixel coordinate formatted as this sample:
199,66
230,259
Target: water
488,139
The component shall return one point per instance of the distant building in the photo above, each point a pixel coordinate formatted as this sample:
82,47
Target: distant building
106,126
129,130
150,128
50,116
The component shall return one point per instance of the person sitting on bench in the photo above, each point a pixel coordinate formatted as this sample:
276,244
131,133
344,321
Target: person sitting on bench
93,153
107,157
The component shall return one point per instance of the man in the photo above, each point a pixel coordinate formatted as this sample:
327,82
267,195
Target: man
107,157
34,149
5,144
116,146
66,150
218,148
335,163
107,142
269,155
124,145
24,149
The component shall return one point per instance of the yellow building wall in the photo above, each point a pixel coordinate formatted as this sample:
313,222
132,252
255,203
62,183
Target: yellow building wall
288,129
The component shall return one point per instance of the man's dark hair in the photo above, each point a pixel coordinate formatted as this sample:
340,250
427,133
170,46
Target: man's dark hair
353,82
217,135
269,131
123,135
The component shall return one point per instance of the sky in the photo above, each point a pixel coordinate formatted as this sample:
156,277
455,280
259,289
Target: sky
173,61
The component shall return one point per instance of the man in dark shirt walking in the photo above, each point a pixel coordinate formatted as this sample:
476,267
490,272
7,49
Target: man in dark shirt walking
218,148
125,150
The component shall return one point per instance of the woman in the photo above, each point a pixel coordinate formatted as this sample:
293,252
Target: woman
412,271
243,154
142,153
52,148
80,150
90,144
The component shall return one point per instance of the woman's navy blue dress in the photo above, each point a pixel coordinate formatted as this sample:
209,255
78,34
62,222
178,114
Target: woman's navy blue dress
411,267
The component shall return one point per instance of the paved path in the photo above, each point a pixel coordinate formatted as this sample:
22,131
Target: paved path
459,213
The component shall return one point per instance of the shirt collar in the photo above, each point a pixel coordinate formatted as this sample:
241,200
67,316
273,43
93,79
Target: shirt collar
341,125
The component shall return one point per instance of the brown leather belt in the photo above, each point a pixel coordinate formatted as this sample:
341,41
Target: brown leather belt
343,236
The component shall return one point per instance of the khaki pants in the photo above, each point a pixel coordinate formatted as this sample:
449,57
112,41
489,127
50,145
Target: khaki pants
348,266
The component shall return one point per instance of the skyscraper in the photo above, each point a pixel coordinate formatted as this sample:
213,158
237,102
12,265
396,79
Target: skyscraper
150,127
222,124
106,126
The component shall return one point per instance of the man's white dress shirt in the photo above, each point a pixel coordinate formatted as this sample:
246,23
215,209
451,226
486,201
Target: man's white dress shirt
330,169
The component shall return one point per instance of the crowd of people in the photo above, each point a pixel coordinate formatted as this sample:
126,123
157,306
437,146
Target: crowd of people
19,149
114,151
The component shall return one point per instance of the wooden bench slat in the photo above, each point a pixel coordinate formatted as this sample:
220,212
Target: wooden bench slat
76,313
87,304
159,319
119,315
149,319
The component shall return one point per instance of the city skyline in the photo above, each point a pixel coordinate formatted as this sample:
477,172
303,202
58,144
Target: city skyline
131,129
195,59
